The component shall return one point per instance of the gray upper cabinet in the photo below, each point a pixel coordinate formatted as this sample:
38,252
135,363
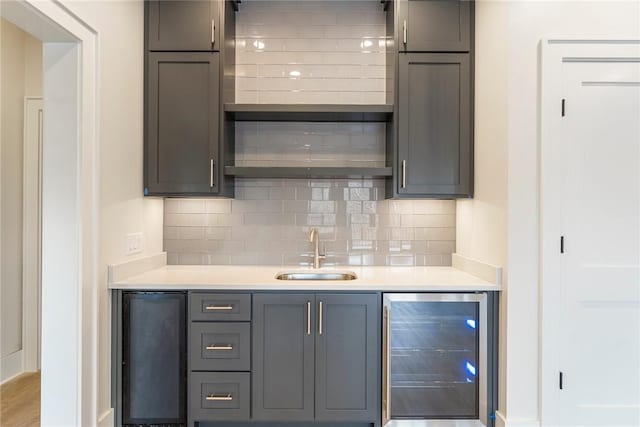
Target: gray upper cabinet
347,362
182,115
435,146
435,25
182,25
283,357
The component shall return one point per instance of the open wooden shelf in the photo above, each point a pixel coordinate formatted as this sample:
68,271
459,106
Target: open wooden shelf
309,112
306,172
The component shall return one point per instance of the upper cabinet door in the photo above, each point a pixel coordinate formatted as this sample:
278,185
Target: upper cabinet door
183,25
182,123
283,357
347,362
435,146
435,25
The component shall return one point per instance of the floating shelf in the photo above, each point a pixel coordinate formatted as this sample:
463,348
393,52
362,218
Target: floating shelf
309,112
307,172
385,4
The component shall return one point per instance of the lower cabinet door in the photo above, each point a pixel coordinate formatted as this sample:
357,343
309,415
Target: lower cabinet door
283,357
219,396
347,357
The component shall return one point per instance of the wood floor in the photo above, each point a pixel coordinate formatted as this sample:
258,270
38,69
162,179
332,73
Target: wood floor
20,401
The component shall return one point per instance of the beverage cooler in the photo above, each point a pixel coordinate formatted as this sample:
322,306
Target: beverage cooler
435,364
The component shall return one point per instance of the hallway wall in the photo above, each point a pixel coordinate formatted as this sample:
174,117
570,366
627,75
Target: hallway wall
21,75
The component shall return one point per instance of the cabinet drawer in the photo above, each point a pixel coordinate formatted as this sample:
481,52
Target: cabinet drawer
220,346
218,396
226,307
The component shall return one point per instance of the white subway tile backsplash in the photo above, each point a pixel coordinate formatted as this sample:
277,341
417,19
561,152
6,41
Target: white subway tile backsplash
190,233
295,144
321,52
269,222
218,233
220,206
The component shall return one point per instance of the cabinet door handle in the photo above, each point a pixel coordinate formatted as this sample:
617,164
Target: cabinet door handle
211,165
386,367
320,318
219,347
404,174
308,317
404,31
219,307
213,31
218,397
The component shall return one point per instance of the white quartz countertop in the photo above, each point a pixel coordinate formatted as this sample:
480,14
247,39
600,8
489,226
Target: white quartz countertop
252,277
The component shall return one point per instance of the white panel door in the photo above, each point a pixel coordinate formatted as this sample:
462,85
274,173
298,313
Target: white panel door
600,220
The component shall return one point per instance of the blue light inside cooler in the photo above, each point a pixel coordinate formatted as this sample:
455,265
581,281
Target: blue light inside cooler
471,323
470,368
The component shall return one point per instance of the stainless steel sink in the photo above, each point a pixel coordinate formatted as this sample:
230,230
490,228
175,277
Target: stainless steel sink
320,275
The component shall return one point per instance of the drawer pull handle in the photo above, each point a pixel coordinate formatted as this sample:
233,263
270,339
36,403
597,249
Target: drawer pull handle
219,398
219,307
219,347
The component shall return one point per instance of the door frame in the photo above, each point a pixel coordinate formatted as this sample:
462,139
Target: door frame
551,169
70,174
31,233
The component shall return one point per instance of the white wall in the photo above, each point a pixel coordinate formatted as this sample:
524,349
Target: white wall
21,73
481,227
482,230
123,209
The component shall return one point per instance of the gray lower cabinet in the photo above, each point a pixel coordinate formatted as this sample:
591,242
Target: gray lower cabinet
182,116
301,358
283,357
435,25
316,357
435,145
347,357
184,25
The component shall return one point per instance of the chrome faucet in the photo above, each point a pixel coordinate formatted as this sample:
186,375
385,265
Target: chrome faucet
314,237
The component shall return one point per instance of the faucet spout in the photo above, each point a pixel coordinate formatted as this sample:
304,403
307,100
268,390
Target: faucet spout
314,237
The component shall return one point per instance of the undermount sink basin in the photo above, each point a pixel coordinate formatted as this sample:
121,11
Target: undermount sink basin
313,275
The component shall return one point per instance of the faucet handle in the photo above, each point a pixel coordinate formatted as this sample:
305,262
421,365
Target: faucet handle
312,234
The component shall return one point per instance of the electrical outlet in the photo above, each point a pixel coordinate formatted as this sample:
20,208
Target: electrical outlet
133,244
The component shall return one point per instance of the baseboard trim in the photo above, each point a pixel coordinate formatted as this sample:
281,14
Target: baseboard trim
11,366
502,421
107,419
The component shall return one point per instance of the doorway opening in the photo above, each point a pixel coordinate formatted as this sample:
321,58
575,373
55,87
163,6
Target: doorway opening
59,210
21,149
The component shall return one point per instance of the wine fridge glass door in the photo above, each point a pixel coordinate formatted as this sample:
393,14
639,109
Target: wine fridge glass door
435,356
